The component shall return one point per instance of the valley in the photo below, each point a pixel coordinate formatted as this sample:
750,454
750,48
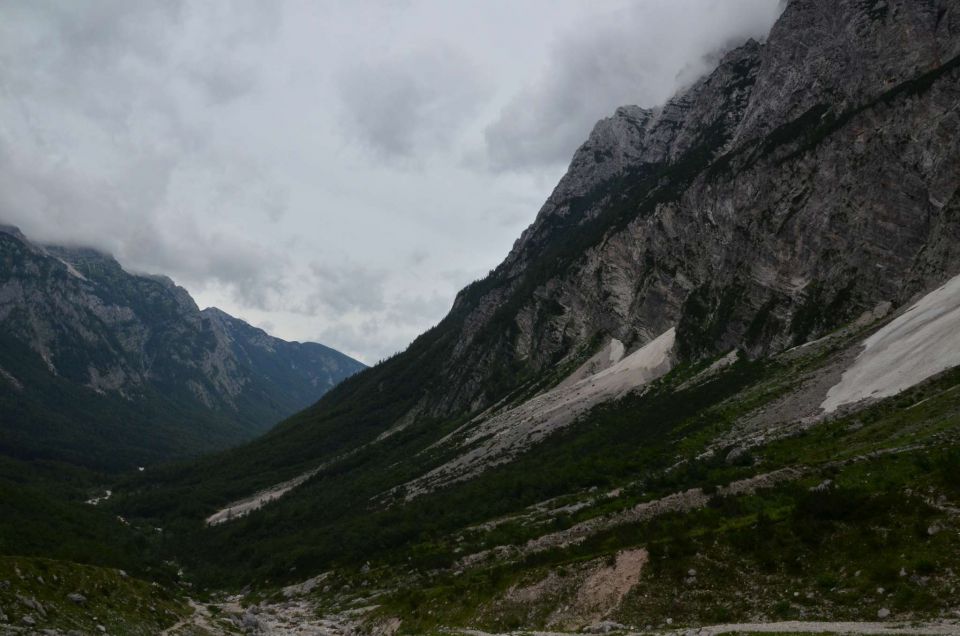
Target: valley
731,501
713,388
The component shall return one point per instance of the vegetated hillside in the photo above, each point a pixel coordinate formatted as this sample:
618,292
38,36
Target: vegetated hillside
67,563
66,598
724,493
104,368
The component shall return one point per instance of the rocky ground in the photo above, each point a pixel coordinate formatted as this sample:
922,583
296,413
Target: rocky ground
294,617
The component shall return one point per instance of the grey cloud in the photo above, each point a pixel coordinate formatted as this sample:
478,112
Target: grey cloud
641,55
59,204
95,33
418,257
267,326
225,83
253,272
383,333
410,103
364,340
103,148
198,140
418,310
345,287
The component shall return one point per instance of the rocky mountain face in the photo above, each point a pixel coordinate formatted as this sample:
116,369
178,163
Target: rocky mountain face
79,330
802,182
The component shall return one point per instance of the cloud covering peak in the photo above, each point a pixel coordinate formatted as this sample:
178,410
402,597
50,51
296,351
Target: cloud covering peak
639,55
336,171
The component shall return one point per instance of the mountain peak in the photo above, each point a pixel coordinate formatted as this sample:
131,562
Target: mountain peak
136,347
13,231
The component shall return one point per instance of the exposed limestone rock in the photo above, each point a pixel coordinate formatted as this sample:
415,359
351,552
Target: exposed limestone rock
804,181
244,507
77,598
916,345
500,437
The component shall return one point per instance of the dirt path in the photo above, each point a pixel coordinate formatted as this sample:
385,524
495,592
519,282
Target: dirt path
292,617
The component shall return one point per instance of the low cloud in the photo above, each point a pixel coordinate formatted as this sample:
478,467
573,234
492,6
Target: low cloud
380,334
640,55
405,105
344,288
106,141
259,153
363,340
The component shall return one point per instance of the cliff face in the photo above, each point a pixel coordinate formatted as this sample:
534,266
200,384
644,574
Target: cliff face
807,179
74,321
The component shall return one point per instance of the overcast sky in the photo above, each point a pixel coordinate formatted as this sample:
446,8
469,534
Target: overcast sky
329,171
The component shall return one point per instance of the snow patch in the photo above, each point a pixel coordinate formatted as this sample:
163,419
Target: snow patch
920,343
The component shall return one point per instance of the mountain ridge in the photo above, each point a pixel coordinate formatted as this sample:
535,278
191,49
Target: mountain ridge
78,324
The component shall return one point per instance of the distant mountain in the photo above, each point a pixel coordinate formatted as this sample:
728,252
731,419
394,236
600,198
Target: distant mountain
102,367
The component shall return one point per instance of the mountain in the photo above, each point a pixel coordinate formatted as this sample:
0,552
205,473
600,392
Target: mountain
803,182
713,384
110,369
